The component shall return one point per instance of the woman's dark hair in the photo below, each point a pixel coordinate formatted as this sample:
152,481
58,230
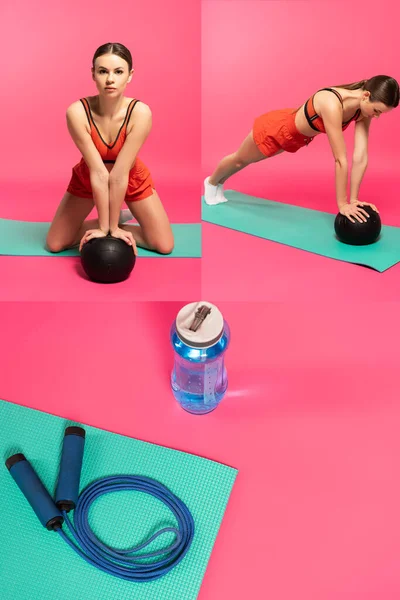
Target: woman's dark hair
381,87
114,48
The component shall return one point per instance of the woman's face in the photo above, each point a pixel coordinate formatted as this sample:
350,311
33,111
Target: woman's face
111,74
372,109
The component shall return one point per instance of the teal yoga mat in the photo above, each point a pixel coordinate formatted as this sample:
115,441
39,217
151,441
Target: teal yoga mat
36,564
27,238
301,228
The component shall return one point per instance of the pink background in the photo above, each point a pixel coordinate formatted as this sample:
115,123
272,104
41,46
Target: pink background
48,55
311,420
42,279
236,266
261,56
47,63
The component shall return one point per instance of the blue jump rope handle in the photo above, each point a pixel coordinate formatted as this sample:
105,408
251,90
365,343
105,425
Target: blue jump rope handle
125,564
34,491
67,492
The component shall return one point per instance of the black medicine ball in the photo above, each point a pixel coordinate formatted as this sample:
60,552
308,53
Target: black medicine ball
107,259
358,234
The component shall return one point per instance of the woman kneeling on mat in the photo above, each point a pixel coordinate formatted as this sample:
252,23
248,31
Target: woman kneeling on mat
330,111
109,130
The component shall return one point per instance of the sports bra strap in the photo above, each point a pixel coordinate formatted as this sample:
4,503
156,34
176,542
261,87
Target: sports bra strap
85,104
88,112
130,109
331,90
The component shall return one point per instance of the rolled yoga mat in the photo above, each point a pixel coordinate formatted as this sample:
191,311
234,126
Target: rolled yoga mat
302,228
27,238
37,564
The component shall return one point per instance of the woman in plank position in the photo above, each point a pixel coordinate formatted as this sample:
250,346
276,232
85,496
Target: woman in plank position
329,110
109,129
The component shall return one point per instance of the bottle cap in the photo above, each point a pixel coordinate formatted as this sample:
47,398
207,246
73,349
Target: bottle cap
200,324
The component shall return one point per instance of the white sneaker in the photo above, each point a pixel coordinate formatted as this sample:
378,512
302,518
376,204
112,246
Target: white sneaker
220,194
213,194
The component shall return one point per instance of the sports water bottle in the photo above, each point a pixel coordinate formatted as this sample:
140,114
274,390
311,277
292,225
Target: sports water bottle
199,337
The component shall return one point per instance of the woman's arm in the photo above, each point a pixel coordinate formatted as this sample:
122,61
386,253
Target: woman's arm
119,175
99,175
332,115
360,157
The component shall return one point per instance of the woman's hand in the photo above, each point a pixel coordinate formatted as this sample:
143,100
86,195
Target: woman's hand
126,236
364,204
90,234
354,210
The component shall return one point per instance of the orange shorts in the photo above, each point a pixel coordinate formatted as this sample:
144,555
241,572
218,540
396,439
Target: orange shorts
276,130
140,184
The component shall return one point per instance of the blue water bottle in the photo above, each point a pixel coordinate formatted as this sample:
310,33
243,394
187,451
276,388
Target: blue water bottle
199,337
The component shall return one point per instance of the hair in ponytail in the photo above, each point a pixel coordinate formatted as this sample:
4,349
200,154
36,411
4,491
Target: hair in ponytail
382,88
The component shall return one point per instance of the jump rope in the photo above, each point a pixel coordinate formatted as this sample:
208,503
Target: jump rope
125,564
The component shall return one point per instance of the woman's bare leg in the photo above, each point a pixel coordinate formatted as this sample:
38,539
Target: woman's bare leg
69,223
246,154
154,230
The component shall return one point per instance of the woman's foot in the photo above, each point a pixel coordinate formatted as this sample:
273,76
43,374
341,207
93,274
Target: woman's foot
125,215
213,194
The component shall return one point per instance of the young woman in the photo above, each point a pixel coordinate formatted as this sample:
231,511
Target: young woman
109,129
330,111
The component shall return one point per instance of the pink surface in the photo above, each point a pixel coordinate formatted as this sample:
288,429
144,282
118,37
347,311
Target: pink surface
63,279
261,56
241,267
49,68
311,421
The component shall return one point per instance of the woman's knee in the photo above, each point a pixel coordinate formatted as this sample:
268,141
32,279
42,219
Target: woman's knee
163,246
54,245
240,161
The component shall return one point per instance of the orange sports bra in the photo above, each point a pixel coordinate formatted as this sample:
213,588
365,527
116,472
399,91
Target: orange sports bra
108,152
315,121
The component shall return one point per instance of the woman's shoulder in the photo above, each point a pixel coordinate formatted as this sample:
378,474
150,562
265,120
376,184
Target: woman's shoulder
140,107
324,99
75,103
75,109
138,103
330,93
78,108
